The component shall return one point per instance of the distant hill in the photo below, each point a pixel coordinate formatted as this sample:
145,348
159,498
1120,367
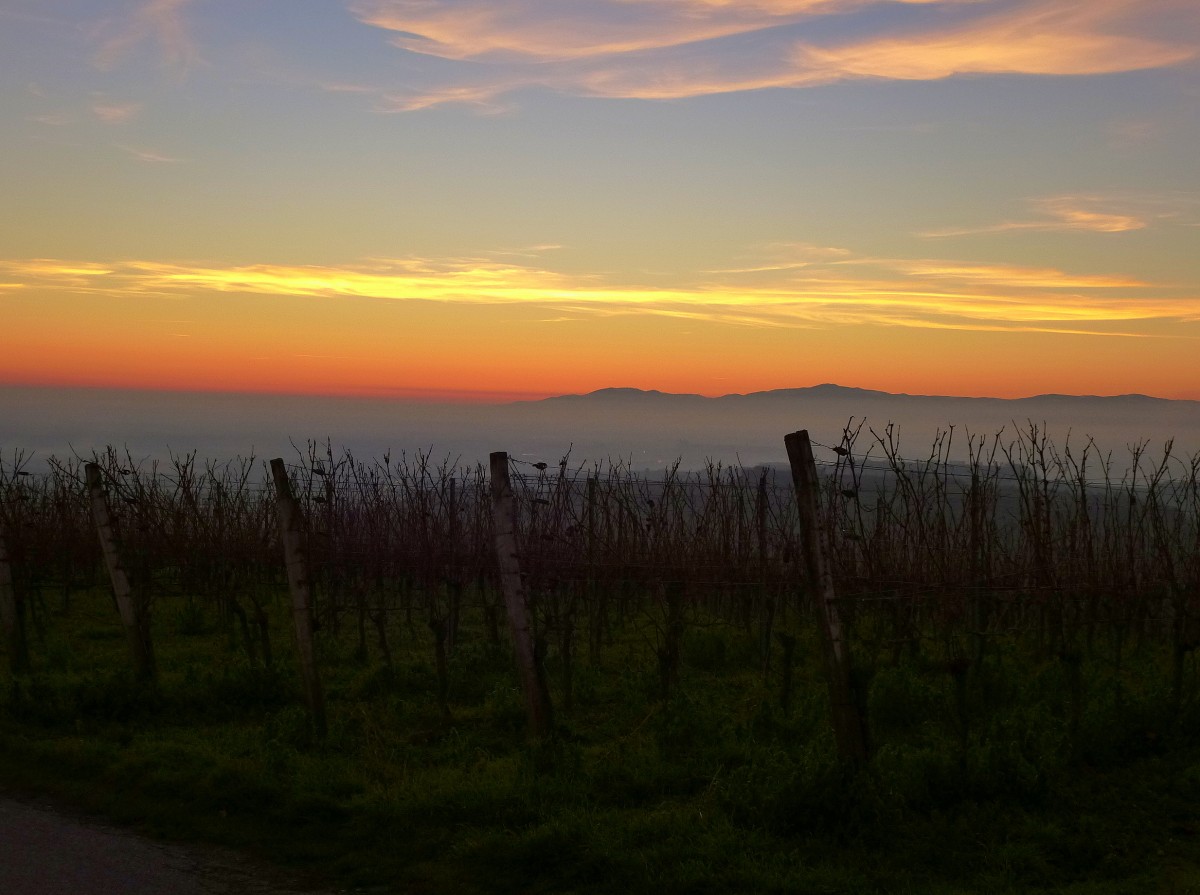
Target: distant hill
647,429
622,394
751,426
832,392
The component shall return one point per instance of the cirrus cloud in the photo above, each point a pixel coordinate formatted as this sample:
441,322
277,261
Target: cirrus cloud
822,288
665,49
1092,214
157,21
115,112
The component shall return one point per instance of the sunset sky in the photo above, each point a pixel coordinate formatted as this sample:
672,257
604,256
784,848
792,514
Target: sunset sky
480,199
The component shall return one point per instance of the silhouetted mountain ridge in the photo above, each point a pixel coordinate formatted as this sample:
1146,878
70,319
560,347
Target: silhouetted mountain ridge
833,391
619,393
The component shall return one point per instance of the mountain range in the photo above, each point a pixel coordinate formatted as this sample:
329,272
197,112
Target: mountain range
648,429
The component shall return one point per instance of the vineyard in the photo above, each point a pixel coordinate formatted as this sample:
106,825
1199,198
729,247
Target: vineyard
1000,607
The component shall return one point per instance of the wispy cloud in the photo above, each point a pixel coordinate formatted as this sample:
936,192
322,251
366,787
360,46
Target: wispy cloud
158,21
53,119
541,31
34,18
69,274
1010,275
113,113
483,97
778,257
660,49
1054,37
148,155
1090,213
838,291
533,251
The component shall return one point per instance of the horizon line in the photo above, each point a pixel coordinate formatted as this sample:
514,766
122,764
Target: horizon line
504,397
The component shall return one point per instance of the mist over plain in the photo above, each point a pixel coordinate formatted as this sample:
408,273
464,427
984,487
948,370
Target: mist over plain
647,430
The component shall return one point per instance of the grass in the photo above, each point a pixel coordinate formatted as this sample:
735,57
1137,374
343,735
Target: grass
715,790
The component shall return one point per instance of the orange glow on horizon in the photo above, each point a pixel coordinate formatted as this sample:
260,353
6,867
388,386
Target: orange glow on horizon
471,330
481,397
952,368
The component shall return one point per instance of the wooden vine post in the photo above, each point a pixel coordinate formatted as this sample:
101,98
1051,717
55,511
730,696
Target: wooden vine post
290,532
133,604
12,613
849,725
533,682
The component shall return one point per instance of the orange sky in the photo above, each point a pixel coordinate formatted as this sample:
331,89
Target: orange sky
506,332
479,201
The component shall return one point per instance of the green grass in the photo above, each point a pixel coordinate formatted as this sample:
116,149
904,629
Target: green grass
716,791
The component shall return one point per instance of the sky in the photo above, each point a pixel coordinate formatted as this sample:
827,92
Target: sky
478,200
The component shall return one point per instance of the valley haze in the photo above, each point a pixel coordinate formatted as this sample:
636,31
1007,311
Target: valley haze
647,429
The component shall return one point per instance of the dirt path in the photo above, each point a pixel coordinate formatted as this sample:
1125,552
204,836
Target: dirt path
46,851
